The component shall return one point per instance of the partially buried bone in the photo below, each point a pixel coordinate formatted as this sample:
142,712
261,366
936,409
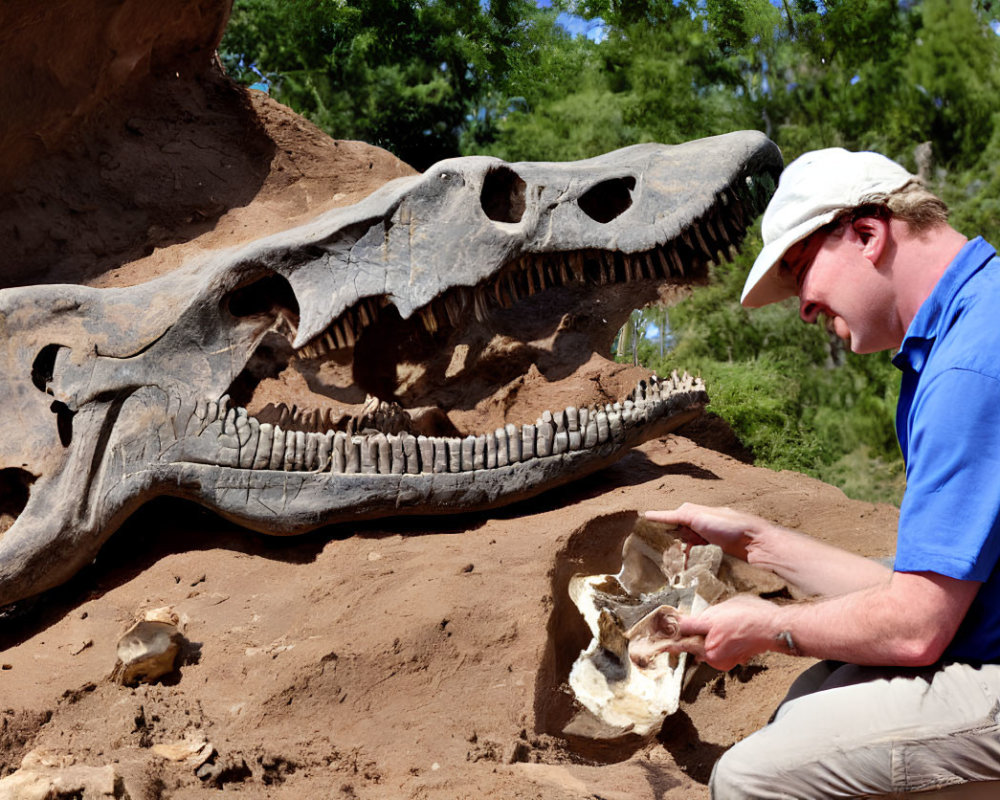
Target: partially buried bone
627,678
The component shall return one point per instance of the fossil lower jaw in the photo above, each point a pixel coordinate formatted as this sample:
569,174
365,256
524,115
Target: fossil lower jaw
228,437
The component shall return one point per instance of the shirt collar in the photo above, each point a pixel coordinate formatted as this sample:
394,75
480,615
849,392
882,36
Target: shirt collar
926,325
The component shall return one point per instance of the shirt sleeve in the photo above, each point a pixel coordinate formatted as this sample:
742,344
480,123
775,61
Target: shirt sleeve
948,520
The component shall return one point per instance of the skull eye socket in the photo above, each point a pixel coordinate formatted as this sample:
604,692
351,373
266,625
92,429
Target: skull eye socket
608,199
44,366
15,488
265,295
502,197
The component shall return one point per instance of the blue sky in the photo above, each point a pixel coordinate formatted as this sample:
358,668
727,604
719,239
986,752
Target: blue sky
578,26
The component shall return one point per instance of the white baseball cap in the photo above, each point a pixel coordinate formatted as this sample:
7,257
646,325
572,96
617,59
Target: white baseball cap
812,191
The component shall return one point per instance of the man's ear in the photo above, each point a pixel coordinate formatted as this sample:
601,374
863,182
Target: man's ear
873,234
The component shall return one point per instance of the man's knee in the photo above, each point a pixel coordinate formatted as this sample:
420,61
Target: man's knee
737,774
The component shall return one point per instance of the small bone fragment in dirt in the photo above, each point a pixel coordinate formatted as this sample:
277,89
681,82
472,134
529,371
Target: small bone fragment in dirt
148,650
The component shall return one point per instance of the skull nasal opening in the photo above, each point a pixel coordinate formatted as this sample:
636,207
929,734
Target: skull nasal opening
608,199
502,197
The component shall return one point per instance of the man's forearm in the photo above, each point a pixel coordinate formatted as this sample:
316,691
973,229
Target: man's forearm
908,621
811,566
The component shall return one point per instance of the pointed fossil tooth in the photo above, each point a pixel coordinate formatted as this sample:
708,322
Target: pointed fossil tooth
412,454
491,450
277,459
338,455
603,427
546,431
468,453
248,433
311,446
615,423
324,450
352,454
397,461
572,418
429,320
479,453
677,262
591,438
262,454
284,415
560,443
291,445
564,273
426,448
502,453
440,455
479,306
527,442
240,426
661,268
454,447
383,453
648,266
513,443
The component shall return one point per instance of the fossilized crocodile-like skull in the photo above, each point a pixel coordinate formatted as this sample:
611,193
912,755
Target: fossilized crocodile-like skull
448,293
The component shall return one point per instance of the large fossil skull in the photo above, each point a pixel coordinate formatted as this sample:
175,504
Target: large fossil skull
432,297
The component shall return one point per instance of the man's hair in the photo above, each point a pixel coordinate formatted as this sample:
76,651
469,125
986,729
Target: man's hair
911,203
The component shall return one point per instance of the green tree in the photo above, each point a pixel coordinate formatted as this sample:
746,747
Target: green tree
403,74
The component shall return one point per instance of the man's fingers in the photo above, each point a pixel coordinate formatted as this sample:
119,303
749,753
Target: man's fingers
695,645
670,517
693,626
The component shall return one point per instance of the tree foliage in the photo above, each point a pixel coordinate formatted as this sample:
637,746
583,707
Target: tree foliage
429,79
403,74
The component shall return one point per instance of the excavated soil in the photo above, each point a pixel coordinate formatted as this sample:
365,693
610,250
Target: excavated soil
407,658
415,658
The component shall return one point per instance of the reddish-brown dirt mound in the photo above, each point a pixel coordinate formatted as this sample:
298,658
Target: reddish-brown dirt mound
403,659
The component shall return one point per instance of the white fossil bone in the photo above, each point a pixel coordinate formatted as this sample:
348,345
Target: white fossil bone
626,678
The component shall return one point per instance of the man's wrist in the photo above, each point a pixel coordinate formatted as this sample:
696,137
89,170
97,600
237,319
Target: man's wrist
786,644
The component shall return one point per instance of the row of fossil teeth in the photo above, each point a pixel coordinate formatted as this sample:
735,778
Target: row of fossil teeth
345,330
711,238
228,436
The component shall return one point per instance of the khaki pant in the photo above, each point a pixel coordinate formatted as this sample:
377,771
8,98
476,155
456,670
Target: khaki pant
849,731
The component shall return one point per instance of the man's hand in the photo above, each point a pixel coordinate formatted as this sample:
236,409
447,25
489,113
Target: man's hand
731,530
733,631
813,567
723,635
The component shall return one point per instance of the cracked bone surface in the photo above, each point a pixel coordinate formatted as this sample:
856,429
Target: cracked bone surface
421,334
625,678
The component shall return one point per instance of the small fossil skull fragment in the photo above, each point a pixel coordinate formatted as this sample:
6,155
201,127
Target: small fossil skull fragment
625,678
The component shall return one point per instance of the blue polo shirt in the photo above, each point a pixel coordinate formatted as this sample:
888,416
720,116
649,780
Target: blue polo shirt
948,424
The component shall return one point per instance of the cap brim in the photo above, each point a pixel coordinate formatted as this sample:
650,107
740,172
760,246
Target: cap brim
763,284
